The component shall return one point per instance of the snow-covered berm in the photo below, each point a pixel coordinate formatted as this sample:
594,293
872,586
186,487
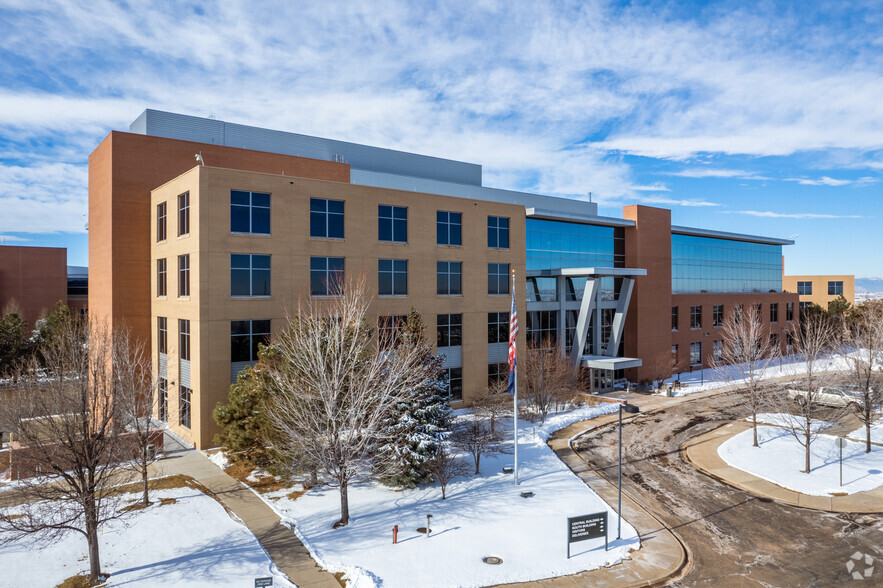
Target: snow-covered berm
780,459
482,516
191,543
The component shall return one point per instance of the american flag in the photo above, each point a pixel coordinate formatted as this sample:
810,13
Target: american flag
513,333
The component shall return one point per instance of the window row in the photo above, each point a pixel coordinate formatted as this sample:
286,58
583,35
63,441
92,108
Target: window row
250,214
250,276
717,316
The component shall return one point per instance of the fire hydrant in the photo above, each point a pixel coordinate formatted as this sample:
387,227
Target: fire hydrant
395,534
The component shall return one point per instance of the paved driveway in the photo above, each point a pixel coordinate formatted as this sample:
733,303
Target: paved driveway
736,539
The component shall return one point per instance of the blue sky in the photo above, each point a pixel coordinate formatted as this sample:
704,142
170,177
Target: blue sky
762,119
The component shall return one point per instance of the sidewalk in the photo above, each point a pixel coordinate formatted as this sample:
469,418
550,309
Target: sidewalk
702,453
280,543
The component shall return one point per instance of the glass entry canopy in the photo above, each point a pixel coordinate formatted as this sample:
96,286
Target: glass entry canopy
594,340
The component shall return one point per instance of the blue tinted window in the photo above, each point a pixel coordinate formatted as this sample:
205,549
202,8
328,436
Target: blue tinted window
392,277
249,212
249,275
245,337
326,275
326,218
498,232
498,278
708,264
448,228
392,223
448,278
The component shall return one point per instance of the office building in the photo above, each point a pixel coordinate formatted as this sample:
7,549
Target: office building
820,290
204,257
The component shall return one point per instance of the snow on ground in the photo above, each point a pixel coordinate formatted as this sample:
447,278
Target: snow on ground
787,420
783,367
780,459
482,516
191,543
876,432
219,458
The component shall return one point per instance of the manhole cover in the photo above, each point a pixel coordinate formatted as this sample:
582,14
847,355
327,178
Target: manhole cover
423,530
492,560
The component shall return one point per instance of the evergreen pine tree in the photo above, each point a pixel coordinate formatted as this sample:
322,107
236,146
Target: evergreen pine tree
419,425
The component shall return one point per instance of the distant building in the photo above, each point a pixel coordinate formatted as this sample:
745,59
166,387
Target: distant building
34,277
820,289
204,261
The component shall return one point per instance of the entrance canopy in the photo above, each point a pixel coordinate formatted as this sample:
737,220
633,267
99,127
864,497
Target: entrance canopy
601,357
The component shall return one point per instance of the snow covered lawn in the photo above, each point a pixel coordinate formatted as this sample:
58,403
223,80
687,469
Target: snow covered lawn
190,543
876,432
780,459
482,516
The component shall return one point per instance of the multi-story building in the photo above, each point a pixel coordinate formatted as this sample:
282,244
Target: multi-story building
34,278
206,260
820,290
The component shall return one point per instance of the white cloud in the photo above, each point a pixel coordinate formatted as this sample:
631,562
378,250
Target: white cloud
823,181
806,215
44,198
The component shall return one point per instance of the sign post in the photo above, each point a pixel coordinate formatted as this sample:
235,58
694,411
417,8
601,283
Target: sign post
590,526
841,443
263,582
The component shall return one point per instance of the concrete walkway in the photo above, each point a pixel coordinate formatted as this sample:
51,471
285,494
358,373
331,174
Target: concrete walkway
702,453
281,544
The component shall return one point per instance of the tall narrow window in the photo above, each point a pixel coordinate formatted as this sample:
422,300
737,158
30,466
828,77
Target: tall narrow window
696,353
498,278
392,275
184,406
774,312
184,339
161,220
497,372
498,327
184,275
249,212
448,227
789,311
249,275
326,218
455,382
388,330
392,223
737,314
184,214
449,330
695,317
498,232
674,318
162,334
326,276
717,318
717,350
448,278
244,339
162,401
161,277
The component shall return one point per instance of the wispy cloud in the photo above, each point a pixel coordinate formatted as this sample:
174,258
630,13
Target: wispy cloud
806,215
826,181
699,172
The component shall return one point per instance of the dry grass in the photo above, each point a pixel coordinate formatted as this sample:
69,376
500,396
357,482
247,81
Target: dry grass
80,581
13,517
295,494
241,470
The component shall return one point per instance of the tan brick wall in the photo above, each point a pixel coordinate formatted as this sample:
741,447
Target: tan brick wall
820,288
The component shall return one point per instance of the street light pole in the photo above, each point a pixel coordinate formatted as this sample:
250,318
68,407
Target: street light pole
631,409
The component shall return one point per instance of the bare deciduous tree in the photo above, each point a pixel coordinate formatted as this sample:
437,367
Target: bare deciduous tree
334,386
138,399
547,381
863,353
493,403
813,340
746,354
444,467
664,365
69,431
475,437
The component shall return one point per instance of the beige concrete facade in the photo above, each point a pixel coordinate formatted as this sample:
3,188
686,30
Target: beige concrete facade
820,286
210,307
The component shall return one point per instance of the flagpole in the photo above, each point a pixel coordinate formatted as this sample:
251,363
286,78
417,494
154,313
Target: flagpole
515,396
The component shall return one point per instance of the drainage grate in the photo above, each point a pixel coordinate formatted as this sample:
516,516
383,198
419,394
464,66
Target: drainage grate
492,560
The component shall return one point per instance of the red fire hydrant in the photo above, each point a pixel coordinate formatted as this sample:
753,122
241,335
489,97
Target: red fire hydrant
395,534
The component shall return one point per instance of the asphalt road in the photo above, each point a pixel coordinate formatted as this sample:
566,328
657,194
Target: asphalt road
736,539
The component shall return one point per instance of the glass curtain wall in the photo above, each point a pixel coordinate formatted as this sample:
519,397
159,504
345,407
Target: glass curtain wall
711,265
